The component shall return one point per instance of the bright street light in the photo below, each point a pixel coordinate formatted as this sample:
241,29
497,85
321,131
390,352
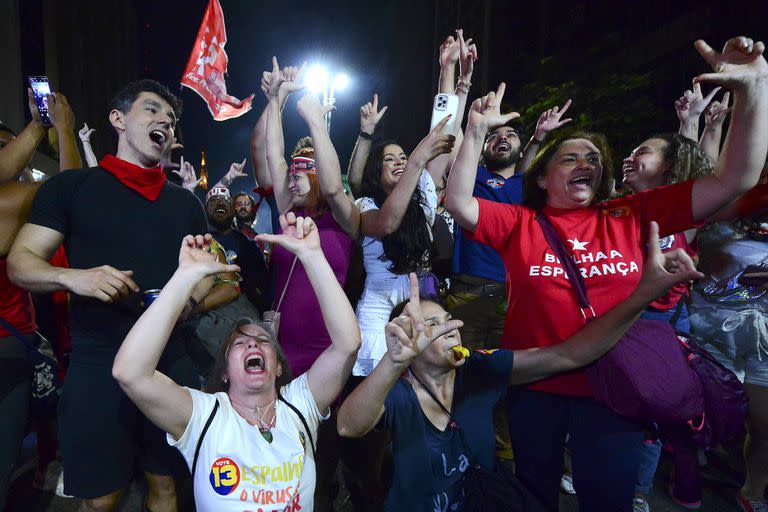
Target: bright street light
318,80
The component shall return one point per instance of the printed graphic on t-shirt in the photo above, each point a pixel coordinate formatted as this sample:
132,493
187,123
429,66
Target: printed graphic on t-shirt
269,487
591,263
495,182
666,242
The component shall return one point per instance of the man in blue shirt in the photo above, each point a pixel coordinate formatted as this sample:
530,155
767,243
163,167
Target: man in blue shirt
477,294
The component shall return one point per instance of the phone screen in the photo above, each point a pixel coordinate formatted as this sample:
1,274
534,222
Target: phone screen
40,89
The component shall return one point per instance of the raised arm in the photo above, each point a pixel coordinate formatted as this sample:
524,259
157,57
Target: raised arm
384,221
330,371
407,336
63,120
236,170
689,108
278,167
550,119
328,167
165,403
466,54
85,138
259,145
714,116
660,273
484,115
370,115
742,69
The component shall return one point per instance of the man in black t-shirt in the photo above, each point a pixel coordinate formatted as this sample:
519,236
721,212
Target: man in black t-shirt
122,224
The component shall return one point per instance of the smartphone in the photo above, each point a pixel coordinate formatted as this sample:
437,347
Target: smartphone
444,105
40,89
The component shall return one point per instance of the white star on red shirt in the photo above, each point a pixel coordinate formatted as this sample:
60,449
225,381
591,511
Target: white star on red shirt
578,246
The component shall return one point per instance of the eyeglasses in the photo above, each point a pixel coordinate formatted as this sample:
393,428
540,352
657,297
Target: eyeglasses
507,133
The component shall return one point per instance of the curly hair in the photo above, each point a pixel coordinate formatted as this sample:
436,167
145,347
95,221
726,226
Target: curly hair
215,381
687,160
536,198
407,246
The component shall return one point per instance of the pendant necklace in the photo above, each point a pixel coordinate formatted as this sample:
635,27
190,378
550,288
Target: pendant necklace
265,428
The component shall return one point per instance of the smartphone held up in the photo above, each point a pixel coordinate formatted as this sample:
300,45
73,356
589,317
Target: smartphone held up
41,89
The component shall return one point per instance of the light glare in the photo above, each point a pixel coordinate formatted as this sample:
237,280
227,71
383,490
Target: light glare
341,82
317,78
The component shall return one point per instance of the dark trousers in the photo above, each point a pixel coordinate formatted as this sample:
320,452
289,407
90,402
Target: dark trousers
14,407
605,448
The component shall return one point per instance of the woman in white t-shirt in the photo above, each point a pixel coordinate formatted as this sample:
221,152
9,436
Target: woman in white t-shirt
249,440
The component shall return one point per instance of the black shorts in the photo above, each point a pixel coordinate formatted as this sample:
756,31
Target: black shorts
103,435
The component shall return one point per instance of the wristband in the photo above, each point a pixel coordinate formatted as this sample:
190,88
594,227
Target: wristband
365,135
537,141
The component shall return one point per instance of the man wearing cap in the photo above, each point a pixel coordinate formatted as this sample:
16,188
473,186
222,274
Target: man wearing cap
240,250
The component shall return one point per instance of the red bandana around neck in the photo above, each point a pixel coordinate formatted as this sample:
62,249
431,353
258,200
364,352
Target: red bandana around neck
146,182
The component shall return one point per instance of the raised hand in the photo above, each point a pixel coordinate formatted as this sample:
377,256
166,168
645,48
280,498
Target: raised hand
692,103
467,56
551,119
409,335
60,113
309,108
187,174
370,115
299,235
485,113
717,111
195,256
85,133
664,270
236,170
434,144
740,64
449,52
33,106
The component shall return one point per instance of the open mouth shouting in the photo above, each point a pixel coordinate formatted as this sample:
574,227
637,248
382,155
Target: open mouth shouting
158,138
502,147
582,180
254,364
398,172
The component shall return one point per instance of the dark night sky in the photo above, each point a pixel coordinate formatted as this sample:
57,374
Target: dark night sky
390,48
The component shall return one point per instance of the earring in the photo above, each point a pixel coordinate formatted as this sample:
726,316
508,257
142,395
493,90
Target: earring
226,381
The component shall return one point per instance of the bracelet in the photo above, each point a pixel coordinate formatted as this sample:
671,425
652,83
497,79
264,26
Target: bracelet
463,86
365,135
537,141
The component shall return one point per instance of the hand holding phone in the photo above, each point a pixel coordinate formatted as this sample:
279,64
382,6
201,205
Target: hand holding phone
41,89
445,104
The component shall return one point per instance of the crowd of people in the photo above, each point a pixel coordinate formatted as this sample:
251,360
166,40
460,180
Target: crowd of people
403,335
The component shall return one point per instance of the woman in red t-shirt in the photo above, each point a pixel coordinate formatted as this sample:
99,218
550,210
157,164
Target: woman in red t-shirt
568,181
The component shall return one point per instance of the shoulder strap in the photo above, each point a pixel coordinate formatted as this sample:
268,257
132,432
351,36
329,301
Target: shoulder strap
569,265
287,282
8,326
202,435
303,422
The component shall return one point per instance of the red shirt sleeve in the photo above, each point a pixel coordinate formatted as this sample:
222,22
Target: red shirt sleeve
671,206
495,223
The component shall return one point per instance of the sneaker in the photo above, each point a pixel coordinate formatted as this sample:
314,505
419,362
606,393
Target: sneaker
640,505
690,505
748,505
566,484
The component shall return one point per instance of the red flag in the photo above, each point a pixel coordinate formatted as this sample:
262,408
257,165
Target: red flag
207,66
